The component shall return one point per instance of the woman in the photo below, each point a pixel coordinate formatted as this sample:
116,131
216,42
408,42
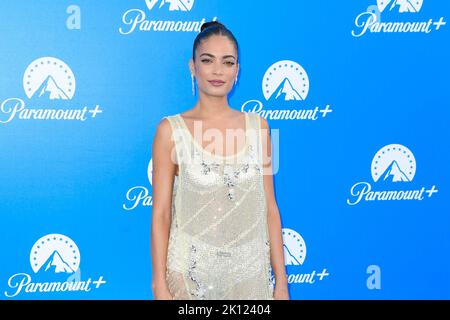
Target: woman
216,231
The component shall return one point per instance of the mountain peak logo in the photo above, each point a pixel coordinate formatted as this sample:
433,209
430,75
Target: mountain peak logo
137,19
401,5
286,91
56,264
50,78
294,247
285,86
285,80
395,20
51,90
393,163
174,5
294,255
393,173
46,81
55,253
55,260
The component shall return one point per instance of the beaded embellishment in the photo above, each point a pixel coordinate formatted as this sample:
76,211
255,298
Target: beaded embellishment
200,290
270,275
229,174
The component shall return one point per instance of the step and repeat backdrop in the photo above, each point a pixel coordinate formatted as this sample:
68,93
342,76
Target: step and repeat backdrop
356,94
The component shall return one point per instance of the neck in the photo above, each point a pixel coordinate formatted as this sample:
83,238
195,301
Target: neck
210,107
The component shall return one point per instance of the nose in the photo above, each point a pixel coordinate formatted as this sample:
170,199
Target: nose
218,68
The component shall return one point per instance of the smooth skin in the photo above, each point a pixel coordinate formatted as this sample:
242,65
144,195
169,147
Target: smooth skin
215,58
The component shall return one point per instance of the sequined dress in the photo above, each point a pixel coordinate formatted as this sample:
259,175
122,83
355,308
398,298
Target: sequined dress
219,242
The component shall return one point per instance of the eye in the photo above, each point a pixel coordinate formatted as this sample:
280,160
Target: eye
230,63
206,60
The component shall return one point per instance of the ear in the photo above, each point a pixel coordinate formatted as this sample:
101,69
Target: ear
191,66
237,70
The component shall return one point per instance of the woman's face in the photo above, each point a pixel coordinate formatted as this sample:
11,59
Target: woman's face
215,59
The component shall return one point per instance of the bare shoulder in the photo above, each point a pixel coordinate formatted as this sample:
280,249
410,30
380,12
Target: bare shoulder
163,132
164,125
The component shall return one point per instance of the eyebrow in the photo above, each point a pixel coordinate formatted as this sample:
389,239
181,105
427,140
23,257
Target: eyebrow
223,57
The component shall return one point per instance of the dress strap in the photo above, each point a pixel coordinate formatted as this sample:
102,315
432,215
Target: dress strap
260,139
254,136
175,121
178,137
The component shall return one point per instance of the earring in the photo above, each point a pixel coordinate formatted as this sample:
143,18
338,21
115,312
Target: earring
235,81
193,86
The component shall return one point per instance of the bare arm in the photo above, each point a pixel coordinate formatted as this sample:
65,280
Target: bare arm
162,183
273,215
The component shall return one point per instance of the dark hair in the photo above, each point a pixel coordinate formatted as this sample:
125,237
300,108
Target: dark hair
213,28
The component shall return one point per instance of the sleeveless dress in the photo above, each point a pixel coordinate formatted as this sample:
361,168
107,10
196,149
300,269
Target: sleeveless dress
219,241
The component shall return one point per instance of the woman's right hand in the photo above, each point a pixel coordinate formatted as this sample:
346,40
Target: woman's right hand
162,293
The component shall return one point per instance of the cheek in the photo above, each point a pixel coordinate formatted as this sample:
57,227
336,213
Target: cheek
201,76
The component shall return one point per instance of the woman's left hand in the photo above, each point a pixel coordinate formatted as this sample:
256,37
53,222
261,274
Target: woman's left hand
281,292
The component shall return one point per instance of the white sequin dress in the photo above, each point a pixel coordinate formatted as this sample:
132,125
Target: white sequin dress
219,241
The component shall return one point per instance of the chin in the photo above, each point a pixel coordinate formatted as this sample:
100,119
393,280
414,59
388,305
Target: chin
216,93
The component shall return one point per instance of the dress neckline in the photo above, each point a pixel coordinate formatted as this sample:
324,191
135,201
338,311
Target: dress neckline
200,147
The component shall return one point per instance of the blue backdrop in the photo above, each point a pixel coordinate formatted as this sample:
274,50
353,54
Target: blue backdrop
360,136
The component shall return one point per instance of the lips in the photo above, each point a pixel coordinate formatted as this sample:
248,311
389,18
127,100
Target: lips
216,83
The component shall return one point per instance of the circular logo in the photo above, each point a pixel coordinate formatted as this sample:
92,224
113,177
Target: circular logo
55,253
294,247
285,80
400,5
50,78
393,163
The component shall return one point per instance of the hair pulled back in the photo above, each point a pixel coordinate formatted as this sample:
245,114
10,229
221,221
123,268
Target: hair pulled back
209,29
